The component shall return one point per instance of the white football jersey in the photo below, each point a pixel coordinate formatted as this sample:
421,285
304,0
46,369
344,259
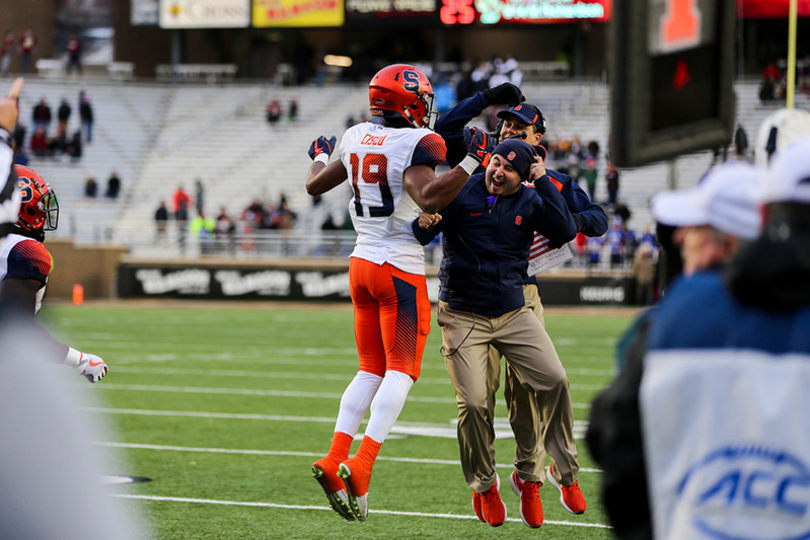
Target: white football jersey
375,158
25,258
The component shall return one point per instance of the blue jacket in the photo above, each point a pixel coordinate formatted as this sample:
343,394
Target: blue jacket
452,126
486,246
711,388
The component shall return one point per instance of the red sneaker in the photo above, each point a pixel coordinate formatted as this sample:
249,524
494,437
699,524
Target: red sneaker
325,472
356,479
531,507
476,501
570,496
492,507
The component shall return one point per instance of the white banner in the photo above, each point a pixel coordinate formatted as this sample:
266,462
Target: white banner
145,12
204,13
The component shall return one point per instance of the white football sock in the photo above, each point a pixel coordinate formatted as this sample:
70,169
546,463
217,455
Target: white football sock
388,404
355,401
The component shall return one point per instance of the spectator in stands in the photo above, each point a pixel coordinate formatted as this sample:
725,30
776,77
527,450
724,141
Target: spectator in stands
273,112
202,228
20,157
161,221
41,115
589,173
612,182
113,186
28,46
593,149
512,70
6,50
90,187
58,145
86,115
74,50
75,146
741,143
18,135
39,142
595,250
644,271
180,199
63,114
615,238
286,217
199,196
225,230
292,111
181,218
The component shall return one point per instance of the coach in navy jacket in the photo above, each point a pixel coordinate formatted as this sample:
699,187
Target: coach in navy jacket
525,122
487,233
487,236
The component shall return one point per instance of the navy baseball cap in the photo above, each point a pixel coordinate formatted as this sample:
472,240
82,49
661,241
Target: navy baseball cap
529,115
519,154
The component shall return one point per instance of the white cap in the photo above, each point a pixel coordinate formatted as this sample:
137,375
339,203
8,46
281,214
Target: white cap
778,130
788,177
726,199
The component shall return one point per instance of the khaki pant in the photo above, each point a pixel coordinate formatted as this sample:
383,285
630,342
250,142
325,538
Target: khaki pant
522,340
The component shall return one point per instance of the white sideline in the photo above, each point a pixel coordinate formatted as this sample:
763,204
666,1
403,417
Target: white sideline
288,453
268,393
302,507
309,376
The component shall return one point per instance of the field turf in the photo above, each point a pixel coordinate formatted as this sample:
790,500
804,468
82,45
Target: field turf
225,406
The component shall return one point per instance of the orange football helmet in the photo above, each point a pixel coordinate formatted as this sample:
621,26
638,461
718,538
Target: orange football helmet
402,91
39,208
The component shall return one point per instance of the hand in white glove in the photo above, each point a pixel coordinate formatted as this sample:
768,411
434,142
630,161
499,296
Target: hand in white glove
92,367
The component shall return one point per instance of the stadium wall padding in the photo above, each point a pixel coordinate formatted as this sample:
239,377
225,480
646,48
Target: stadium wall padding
93,267
320,281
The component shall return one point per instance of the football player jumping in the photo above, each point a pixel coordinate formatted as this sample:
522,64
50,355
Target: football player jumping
25,264
391,166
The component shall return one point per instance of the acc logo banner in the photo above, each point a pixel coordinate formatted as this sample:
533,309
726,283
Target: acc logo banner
747,493
269,13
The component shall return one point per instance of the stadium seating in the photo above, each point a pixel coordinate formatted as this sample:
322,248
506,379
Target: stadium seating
160,136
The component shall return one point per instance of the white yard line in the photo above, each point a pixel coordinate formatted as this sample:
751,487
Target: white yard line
252,392
240,373
287,453
279,393
303,507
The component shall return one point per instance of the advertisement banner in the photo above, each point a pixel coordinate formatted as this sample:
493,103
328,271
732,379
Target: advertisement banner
254,282
145,12
223,283
297,13
542,11
204,13
391,11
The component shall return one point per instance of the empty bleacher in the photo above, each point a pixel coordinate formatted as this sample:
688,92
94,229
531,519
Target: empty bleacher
159,136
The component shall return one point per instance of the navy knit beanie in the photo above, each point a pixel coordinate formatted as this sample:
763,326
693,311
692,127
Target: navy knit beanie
519,154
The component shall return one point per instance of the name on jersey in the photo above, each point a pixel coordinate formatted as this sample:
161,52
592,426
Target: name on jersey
373,140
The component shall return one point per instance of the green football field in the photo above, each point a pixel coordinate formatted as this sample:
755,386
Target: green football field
225,406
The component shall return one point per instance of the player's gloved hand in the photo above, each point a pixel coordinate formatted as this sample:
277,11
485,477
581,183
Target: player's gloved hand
322,145
477,148
504,94
92,367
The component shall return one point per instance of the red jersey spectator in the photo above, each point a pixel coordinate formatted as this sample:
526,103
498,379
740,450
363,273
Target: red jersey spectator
28,44
180,199
74,50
